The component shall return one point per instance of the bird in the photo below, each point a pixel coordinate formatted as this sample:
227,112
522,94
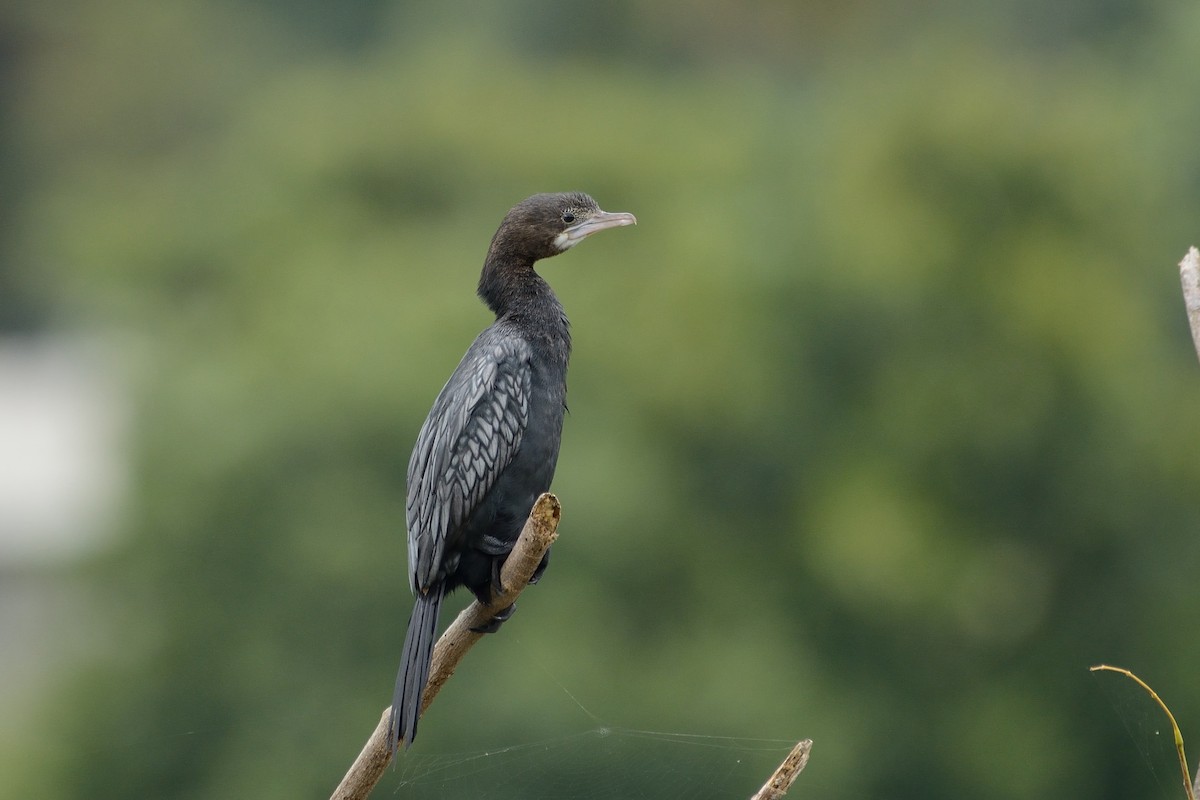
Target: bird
490,443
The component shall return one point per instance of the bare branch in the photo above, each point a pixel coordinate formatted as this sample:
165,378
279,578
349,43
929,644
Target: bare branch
783,777
540,531
1189,276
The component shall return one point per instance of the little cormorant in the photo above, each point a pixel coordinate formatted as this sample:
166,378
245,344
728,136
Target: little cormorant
489,446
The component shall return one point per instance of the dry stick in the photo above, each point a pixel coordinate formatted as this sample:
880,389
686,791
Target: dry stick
1189,276
783,777
540,531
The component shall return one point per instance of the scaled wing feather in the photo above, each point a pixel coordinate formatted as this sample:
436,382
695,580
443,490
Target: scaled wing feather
470,436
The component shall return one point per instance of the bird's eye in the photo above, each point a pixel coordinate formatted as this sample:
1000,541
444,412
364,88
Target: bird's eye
568,217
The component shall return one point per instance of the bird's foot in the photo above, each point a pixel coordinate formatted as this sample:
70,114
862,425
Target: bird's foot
497,583
493,625
541,569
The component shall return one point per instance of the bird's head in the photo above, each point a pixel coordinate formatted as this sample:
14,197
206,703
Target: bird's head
545,225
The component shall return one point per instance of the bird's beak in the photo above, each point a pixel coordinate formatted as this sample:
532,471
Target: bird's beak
599,221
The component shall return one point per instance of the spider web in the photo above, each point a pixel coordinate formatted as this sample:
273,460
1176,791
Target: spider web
602,763
1150,732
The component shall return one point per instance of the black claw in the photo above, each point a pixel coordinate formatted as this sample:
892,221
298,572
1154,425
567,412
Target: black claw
493,625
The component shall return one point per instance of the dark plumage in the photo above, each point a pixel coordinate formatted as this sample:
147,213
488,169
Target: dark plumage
490,443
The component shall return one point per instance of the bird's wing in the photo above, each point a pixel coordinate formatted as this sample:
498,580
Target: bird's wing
470,436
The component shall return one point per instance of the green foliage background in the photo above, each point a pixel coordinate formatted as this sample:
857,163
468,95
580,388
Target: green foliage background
882,420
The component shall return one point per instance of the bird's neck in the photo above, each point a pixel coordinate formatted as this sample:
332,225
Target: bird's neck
511,288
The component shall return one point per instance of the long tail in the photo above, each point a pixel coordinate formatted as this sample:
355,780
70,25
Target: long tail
414,667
